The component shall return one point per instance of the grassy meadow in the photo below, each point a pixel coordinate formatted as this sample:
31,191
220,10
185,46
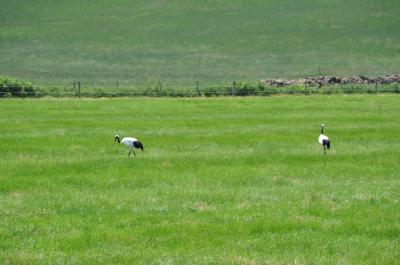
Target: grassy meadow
220,181
53,42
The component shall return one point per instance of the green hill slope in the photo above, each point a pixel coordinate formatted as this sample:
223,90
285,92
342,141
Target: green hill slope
102,41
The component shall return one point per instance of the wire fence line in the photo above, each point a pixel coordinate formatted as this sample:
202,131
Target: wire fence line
196,89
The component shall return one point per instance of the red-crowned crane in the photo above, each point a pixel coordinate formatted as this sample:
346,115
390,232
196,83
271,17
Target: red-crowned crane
130,142
324,140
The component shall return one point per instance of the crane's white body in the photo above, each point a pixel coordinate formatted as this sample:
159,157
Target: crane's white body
322,137
128,141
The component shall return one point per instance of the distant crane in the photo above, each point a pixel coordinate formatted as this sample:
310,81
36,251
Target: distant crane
130,142
324,140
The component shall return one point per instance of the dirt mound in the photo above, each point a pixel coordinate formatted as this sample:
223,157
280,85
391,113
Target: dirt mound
324,80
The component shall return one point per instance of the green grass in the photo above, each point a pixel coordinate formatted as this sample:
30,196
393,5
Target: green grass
136,42
221,181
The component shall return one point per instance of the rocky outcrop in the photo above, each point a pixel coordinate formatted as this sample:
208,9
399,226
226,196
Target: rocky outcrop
324,80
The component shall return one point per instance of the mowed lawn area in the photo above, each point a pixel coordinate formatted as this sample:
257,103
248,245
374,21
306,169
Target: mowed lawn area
220,181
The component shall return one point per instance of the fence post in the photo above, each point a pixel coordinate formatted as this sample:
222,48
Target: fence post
160,88
197,87
233,88
117,84
79,89
74,84
376,86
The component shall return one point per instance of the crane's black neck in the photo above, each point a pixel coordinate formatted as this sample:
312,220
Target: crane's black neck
322,129
117,139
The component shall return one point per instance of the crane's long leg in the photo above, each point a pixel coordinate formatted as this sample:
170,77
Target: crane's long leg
133,148
129,152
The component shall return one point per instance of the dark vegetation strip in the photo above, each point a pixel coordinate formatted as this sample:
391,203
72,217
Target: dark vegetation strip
16,88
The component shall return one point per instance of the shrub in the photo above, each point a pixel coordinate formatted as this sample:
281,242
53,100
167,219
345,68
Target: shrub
245,89
15,88
210,91
392,88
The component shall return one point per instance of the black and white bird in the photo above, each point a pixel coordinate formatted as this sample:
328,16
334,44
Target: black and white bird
130,142
324,140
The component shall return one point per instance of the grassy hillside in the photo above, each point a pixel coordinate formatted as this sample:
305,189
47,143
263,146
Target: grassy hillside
100,42
221,181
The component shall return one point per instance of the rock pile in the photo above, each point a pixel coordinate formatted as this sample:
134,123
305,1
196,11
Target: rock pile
324,80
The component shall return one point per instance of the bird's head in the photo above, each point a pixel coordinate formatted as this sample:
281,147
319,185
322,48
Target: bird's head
116,138
322,125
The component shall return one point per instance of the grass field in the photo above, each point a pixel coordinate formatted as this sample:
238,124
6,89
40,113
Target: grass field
102,41
221,181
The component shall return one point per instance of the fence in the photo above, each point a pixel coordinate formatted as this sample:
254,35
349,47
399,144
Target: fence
196,89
